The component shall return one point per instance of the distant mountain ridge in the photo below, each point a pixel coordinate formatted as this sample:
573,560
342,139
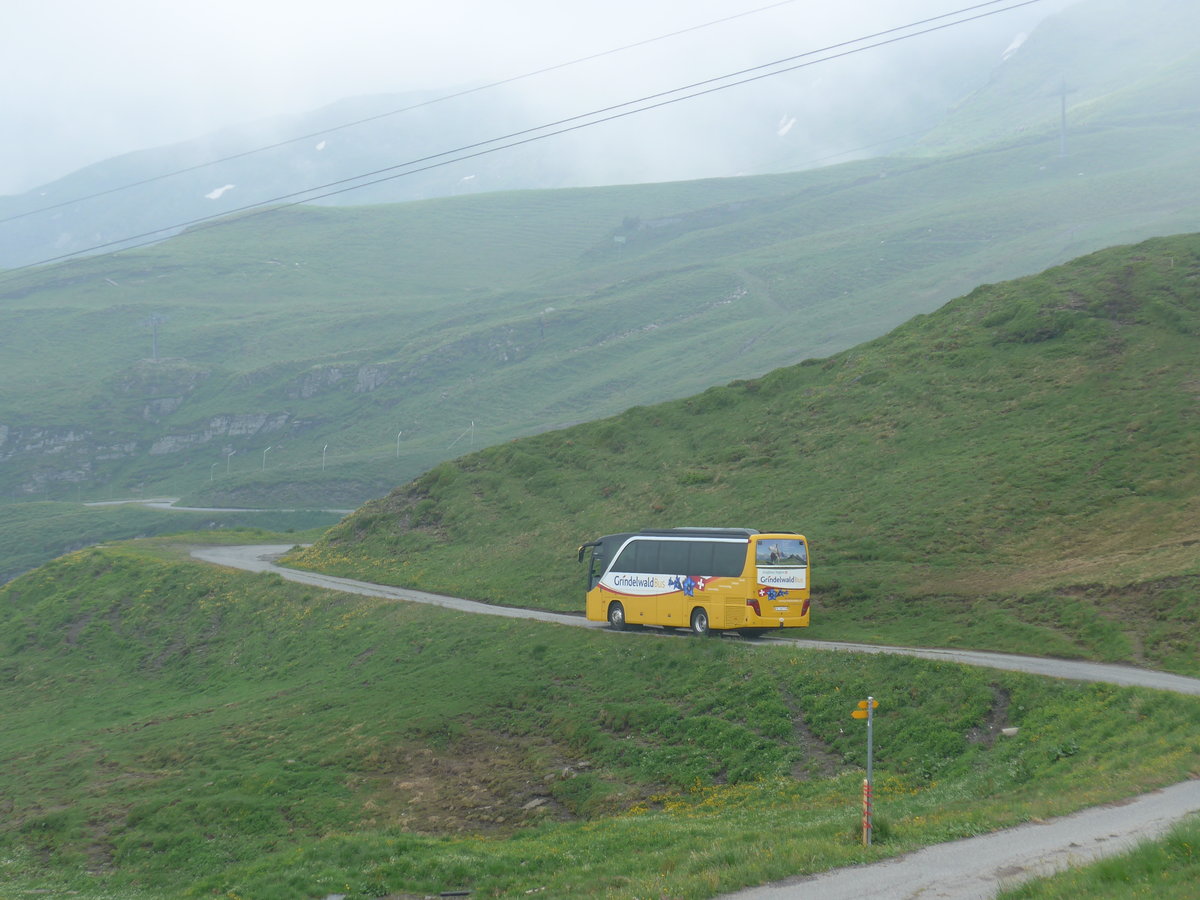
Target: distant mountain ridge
782,124
323,355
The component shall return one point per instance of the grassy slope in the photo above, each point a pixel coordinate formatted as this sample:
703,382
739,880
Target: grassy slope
1019,466
521,312
171,729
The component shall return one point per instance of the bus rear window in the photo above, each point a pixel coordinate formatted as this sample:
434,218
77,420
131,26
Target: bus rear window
781,552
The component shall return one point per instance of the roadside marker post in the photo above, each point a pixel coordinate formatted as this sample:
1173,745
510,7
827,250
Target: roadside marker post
866,710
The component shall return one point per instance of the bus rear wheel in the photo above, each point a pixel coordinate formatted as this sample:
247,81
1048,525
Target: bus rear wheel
699,622
616,616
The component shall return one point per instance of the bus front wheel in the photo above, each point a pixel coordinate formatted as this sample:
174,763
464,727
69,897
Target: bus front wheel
699,622
616,616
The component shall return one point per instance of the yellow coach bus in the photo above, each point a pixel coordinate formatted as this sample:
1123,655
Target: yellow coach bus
699,578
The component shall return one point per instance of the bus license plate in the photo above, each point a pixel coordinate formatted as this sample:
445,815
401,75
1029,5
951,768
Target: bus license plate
781,609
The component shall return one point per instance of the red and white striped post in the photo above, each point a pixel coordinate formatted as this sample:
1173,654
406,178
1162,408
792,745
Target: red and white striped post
866,839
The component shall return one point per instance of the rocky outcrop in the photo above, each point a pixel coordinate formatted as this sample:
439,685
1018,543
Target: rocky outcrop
358,378
245,425
316,380
32,458
156,388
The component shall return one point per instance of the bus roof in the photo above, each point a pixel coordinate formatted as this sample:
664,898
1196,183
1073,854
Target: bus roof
610,541
700,532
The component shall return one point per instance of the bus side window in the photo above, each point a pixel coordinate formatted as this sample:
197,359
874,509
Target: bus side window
647,556
627,559
728,559
673,558
700,558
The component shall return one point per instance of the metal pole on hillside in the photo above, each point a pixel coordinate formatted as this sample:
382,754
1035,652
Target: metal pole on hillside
866,710
869,804
154,321
1062,127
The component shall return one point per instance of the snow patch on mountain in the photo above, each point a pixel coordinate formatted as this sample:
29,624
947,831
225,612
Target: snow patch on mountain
1014,46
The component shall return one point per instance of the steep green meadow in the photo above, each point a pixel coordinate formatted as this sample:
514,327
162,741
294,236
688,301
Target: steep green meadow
1016,471
171,729
323,334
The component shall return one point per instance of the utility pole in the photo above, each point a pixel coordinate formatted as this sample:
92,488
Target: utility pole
154,321
1062,128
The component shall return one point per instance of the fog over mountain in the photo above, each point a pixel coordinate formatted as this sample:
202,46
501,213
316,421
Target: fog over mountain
497,313
137,93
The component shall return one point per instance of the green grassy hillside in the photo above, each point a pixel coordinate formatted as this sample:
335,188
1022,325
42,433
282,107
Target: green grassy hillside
1014,471
363,346
170,729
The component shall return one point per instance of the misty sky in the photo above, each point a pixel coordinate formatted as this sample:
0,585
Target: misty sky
85,81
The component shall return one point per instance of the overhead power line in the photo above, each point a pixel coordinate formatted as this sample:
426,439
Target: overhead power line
395,112
569,124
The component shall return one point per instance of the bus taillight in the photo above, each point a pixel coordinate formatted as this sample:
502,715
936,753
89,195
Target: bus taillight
804,608
753,604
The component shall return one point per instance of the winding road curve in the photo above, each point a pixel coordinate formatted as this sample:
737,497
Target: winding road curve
971,869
